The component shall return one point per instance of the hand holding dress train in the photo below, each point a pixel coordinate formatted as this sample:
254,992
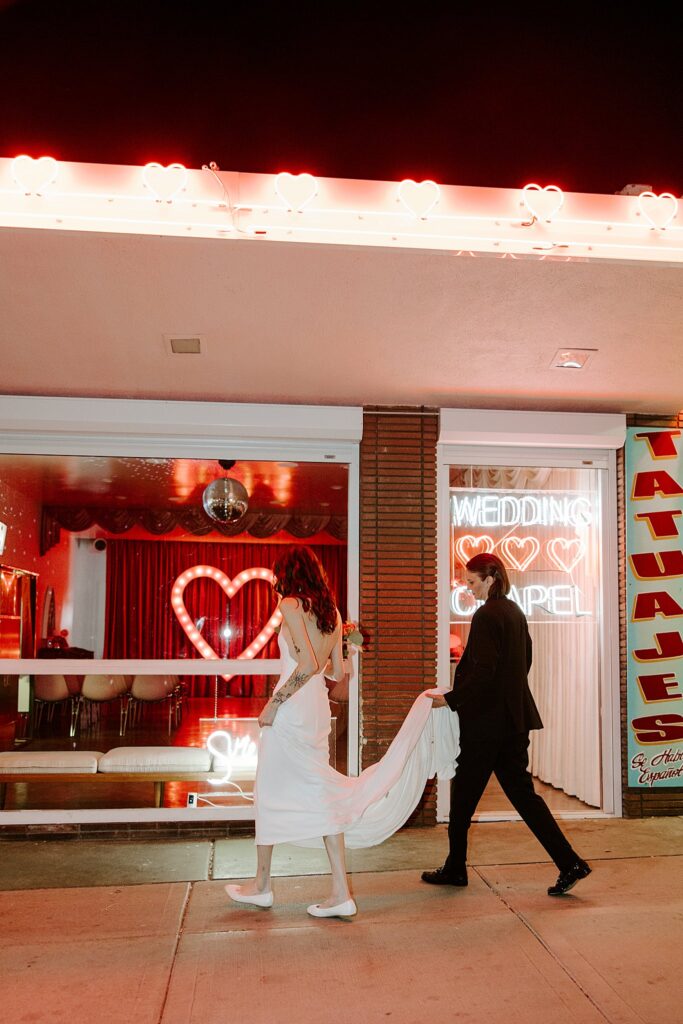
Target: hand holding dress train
299,797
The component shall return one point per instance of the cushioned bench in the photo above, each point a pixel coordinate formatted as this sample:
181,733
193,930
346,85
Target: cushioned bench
125,764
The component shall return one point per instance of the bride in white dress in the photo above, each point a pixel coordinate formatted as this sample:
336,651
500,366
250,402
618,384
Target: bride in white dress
298,797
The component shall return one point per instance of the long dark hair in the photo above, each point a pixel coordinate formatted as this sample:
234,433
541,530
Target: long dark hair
299,574
487,564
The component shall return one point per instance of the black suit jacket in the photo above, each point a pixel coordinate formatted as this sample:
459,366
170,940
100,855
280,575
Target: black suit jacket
491,691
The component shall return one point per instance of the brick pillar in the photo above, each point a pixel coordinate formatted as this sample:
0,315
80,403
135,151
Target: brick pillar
398,589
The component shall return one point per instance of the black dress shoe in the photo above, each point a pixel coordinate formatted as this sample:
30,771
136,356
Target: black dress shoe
442,877
568,879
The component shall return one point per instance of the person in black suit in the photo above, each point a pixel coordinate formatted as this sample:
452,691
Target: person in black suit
497,711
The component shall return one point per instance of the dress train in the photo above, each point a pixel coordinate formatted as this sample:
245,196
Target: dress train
299,797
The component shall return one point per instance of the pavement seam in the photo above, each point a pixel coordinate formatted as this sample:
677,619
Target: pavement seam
179,935
539,938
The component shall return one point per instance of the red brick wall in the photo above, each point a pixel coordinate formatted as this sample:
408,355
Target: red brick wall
637,803
398,592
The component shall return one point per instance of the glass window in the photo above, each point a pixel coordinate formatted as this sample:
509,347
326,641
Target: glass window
123,558
545,524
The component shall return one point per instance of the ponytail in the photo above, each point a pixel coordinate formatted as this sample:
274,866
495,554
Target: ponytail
487,564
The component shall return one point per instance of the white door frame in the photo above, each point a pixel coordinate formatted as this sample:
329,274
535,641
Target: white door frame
199,430
492,437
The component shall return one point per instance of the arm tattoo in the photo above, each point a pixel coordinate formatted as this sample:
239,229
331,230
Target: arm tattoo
294,683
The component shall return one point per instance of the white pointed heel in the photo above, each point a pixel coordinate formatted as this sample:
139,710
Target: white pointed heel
346,909
257,899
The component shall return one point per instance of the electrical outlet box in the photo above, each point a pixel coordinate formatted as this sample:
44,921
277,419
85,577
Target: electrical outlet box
191,799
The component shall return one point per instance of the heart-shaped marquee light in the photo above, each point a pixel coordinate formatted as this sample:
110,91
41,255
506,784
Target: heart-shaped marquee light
419,198
660,210
543,203
164,182
230,587
565,552
296,190
34,176
467,547
520,552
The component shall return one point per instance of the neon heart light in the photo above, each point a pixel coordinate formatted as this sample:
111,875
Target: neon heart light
520,552
543,203
468,546
230,587
296,190
165,182
419,198
658,213
565,553
34,175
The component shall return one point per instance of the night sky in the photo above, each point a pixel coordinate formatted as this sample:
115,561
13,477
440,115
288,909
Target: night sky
520,92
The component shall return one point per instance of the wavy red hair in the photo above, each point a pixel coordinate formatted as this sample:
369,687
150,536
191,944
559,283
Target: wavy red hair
299,574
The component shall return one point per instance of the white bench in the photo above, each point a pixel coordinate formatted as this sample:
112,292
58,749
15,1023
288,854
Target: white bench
123,764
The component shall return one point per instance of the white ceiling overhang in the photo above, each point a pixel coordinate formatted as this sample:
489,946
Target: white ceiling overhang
335,292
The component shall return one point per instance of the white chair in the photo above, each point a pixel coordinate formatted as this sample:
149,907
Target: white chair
98,690
49,691
153,690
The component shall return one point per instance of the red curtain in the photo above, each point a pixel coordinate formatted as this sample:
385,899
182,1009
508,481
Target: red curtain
140,622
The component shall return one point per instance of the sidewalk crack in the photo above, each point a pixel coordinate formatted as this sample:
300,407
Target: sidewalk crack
179,935
541,941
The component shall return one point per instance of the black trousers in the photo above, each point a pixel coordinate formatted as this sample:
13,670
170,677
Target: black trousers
507,757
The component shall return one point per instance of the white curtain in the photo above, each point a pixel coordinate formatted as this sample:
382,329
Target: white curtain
565,676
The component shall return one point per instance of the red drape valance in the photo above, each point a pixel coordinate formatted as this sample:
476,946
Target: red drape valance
140,622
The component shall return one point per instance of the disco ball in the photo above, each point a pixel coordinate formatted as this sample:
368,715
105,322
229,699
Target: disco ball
225,500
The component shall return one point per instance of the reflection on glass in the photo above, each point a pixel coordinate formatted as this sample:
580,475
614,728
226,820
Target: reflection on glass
545,524
116,713
93,550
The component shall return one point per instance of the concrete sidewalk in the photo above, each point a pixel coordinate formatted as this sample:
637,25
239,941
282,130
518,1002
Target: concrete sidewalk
82,942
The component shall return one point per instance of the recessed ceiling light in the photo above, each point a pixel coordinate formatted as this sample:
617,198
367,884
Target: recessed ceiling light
572,358
184,345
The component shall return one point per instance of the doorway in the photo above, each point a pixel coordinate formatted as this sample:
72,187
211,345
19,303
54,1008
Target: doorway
550,515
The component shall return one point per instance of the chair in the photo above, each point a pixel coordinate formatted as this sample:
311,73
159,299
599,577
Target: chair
154,690
49,691
98,690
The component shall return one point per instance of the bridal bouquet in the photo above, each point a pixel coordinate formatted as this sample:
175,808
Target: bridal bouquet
352,638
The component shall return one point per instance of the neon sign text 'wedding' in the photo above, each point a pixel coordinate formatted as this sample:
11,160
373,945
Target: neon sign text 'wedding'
527,510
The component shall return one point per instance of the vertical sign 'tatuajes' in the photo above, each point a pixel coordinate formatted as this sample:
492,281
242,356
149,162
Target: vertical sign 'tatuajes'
654,595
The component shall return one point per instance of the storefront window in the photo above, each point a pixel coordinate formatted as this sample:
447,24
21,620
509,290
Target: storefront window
545,523
118,559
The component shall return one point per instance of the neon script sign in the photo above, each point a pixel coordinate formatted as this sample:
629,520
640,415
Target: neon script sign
231,753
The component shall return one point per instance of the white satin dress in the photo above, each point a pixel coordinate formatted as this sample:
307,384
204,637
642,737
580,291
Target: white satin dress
299,797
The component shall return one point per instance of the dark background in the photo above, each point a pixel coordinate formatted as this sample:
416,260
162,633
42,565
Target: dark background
585,96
